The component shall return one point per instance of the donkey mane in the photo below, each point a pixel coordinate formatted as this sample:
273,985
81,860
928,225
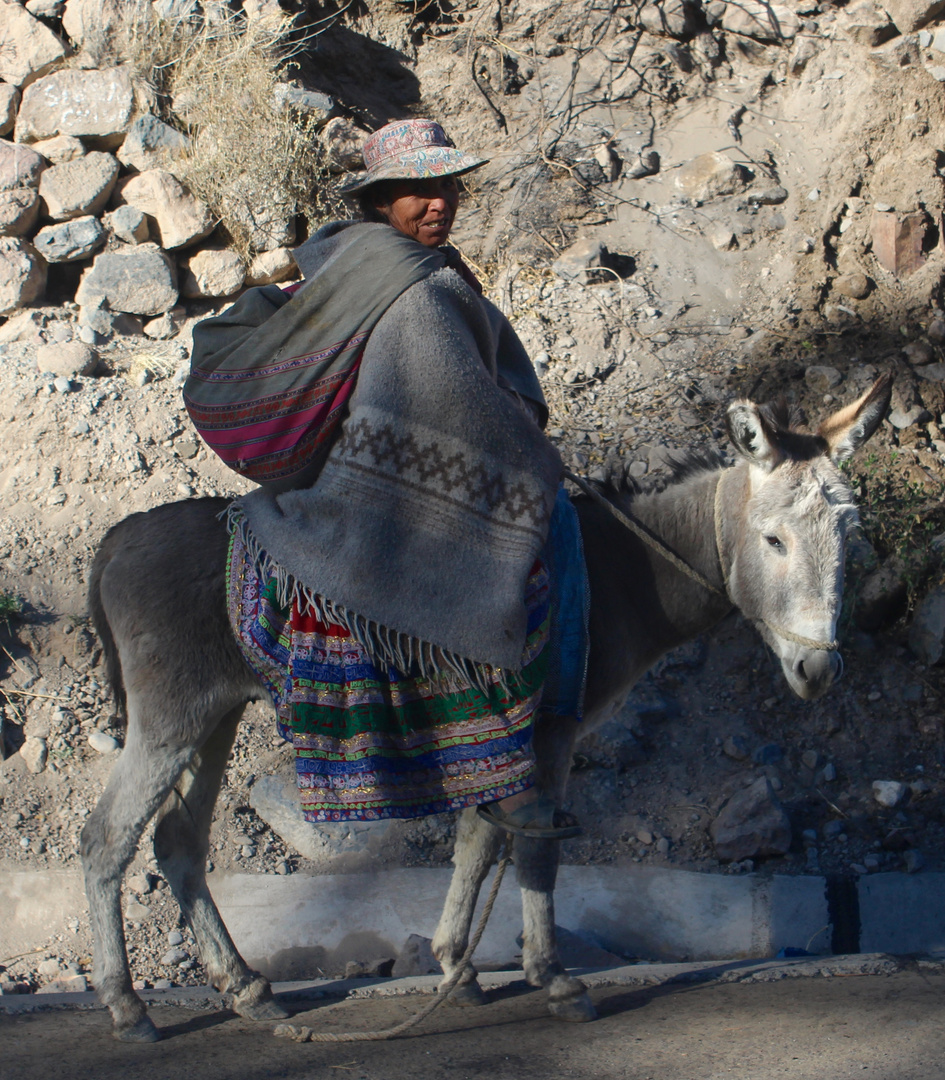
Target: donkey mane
682,465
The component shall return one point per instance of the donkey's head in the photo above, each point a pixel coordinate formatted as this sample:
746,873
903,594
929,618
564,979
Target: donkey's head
784,561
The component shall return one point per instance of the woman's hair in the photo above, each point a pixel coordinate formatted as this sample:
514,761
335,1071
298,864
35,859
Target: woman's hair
370,198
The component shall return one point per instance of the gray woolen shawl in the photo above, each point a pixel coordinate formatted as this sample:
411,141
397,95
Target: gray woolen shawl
422,526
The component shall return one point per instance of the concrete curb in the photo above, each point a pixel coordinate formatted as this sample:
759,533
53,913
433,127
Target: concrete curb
639,975
290,926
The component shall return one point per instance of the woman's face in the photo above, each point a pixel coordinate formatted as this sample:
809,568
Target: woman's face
422,209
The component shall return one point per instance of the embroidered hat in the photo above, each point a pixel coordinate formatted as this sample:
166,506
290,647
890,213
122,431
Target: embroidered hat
409,150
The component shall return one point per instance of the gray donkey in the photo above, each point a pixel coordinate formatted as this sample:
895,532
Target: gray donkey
766,536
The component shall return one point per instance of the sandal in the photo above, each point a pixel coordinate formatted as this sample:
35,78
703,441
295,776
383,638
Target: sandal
541,819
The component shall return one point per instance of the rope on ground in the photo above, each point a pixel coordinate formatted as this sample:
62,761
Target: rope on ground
305,1034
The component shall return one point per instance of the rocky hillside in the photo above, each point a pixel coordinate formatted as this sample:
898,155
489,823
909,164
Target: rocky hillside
685,202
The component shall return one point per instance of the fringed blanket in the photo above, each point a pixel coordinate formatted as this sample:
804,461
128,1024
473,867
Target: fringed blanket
433,503
374,742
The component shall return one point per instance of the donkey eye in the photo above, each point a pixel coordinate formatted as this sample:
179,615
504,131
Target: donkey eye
775,542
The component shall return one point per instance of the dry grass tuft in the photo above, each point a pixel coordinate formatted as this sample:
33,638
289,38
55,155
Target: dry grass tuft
214,78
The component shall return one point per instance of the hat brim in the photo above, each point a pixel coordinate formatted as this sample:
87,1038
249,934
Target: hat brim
424,164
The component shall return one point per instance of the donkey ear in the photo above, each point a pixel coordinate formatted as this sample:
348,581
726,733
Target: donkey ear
754,435
847,430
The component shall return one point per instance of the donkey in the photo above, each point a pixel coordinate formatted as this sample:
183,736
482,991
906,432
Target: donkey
765,536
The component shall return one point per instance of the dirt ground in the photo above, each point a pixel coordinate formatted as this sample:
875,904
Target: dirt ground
883,1027
734,295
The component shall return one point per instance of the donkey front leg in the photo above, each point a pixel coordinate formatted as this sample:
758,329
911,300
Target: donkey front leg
536,864
139,783
476,849
181,844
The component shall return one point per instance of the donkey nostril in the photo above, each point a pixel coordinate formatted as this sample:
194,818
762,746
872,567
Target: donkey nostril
799,669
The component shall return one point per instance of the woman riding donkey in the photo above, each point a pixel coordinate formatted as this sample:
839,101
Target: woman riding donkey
389,579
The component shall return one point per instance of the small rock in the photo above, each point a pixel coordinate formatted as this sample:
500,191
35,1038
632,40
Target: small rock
137,913
918,353
662,845
811,759
830,773
174,957
856,286
161,328
140,884
906,418
821,378
770,754
369,969
49,969
644,836
103,743
162,984
175,937
927,629
736,747
70,359
913,861
34,752
936,331
128,223
751,825
889,793
710,176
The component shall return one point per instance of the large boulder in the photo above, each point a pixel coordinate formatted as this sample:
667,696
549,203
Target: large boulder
28,48
71,240
176,216
19,166
139,280
19,209
22,274
151,144
752,825
210,273
79,187
762,21
9,102
710,176
95,105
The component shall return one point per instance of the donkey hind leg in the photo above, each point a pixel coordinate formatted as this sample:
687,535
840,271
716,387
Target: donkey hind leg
476,849
181,844
536,865
140,781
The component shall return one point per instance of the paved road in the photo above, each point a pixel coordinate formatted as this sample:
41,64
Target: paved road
873,1027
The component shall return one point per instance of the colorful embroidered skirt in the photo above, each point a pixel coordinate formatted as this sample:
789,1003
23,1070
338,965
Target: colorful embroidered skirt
373,743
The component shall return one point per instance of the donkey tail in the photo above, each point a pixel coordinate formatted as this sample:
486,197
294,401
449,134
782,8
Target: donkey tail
102,628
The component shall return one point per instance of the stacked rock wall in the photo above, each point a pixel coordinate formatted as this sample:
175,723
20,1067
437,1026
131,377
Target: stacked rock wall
90,177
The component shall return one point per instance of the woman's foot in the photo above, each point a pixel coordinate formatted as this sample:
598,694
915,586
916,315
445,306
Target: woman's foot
530,814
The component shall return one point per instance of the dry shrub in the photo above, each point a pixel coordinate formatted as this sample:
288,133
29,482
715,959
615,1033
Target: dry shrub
213,77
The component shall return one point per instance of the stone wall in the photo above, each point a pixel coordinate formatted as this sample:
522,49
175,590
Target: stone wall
90,176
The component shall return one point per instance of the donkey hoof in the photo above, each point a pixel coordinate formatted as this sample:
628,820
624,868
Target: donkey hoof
578,1010
255,1002
467,995
143,1031
262,1010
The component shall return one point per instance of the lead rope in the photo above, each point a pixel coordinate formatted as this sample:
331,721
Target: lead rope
305,1034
